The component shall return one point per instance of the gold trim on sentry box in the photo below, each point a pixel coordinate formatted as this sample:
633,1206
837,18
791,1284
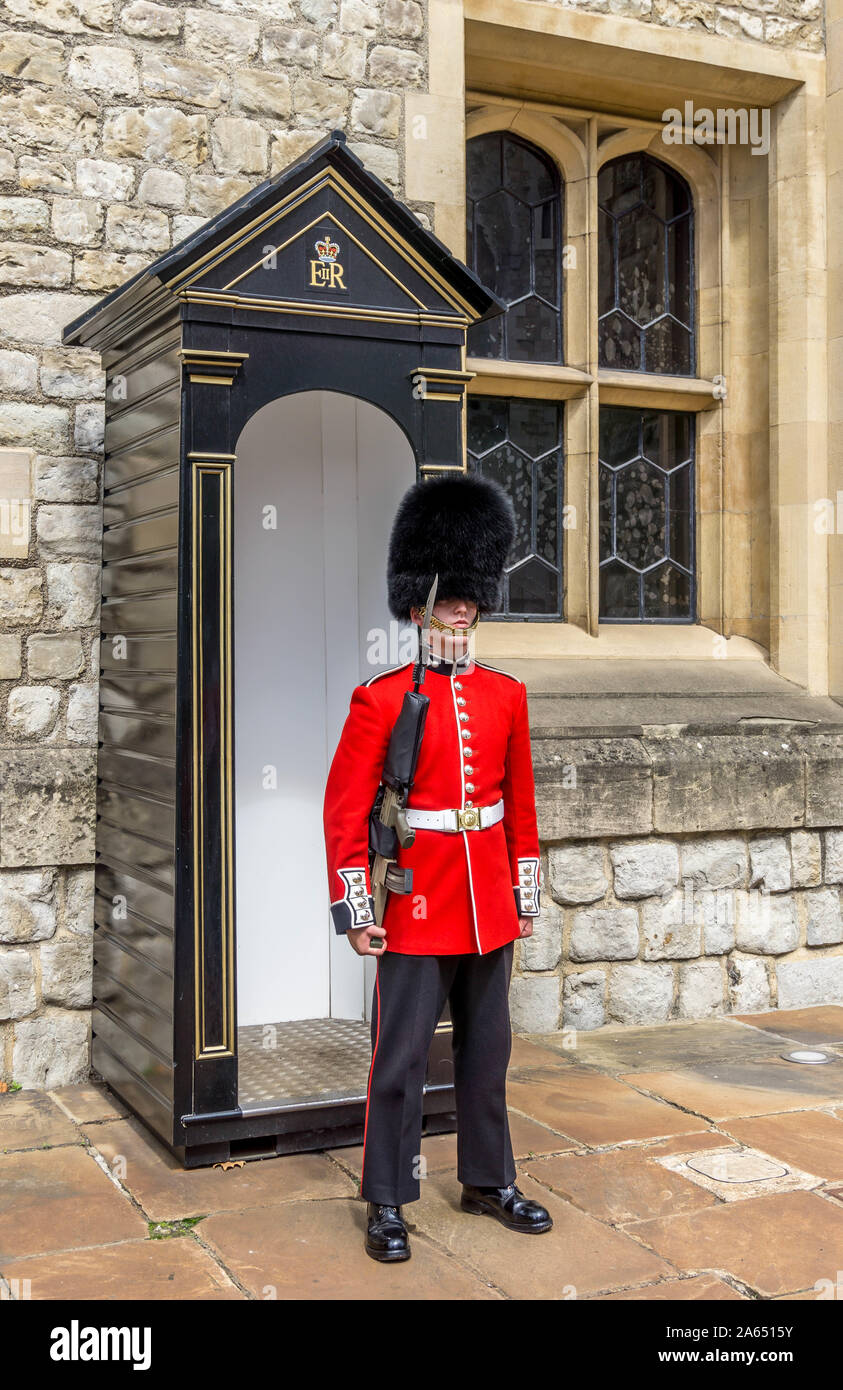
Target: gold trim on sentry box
223,365
205,466
441,468
299,306
334,181
445,373
442,376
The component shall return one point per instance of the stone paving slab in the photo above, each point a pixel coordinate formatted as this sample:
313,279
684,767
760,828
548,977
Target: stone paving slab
699,1138
87,1104
314,1250
168,1192
57,1199
577,1256
591,1108
811,1027
702,1287
726,1090
620,1186
808,1139
669,1045
776,1244
173,1268
527,1052
32,1120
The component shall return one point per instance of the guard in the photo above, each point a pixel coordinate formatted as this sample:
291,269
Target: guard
475,861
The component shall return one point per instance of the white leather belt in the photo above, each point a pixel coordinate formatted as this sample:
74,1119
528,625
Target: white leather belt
456,818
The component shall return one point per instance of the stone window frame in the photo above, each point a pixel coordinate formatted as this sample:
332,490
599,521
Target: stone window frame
580,143
784,408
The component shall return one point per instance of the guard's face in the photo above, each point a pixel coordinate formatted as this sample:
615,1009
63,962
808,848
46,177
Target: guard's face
458,613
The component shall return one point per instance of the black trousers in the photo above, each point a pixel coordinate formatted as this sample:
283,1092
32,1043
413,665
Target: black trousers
408,999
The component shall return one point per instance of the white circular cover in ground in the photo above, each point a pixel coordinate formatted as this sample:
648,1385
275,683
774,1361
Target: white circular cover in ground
806,1055
737,1167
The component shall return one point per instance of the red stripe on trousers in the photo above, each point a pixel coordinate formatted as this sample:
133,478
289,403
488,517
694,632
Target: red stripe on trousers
371,1066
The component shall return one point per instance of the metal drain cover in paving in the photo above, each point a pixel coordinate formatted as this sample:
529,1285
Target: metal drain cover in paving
744,1166
736,1173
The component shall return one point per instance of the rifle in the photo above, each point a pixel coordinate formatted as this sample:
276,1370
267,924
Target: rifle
388,826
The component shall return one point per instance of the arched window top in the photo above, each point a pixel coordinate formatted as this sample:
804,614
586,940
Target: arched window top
645,267
513,210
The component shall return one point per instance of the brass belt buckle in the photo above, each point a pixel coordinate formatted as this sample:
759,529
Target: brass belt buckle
469,818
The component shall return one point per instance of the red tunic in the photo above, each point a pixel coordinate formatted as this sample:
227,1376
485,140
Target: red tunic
470,886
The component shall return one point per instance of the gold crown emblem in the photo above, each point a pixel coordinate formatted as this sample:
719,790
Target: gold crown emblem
327,250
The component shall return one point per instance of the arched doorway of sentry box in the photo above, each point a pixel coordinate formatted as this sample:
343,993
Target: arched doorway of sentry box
317,479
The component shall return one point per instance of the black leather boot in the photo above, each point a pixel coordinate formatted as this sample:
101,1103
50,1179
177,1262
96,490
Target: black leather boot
386,1234
508,1205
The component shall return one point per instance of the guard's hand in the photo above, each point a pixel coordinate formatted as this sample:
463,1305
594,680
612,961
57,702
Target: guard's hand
526,924
361,940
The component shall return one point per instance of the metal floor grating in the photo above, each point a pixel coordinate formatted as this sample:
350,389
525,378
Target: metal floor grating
305,1060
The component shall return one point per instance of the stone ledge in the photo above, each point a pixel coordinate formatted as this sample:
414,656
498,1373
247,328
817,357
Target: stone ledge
685,782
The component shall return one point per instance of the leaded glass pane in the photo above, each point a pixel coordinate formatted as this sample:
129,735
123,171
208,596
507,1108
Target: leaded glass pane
620,589
620,343
680,511
534,426
606,513
667,348
483,171
518,442
489,417
666,437
619,434
678,272
532,330
533,588
640,514
547,519
513,243
645,267
488,338
619,185
646,515
527,172
546,266
502,228
512,470
605,257
641,239
666,593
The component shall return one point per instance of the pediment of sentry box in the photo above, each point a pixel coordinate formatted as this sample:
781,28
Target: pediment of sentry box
324,244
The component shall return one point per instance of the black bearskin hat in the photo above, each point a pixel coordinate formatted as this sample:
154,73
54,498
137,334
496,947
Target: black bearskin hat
459,525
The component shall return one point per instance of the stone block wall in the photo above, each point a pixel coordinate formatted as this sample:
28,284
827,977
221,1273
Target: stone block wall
783,23
643,931
684,876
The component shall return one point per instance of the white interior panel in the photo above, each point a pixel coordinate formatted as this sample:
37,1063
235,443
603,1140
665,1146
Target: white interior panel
317,481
